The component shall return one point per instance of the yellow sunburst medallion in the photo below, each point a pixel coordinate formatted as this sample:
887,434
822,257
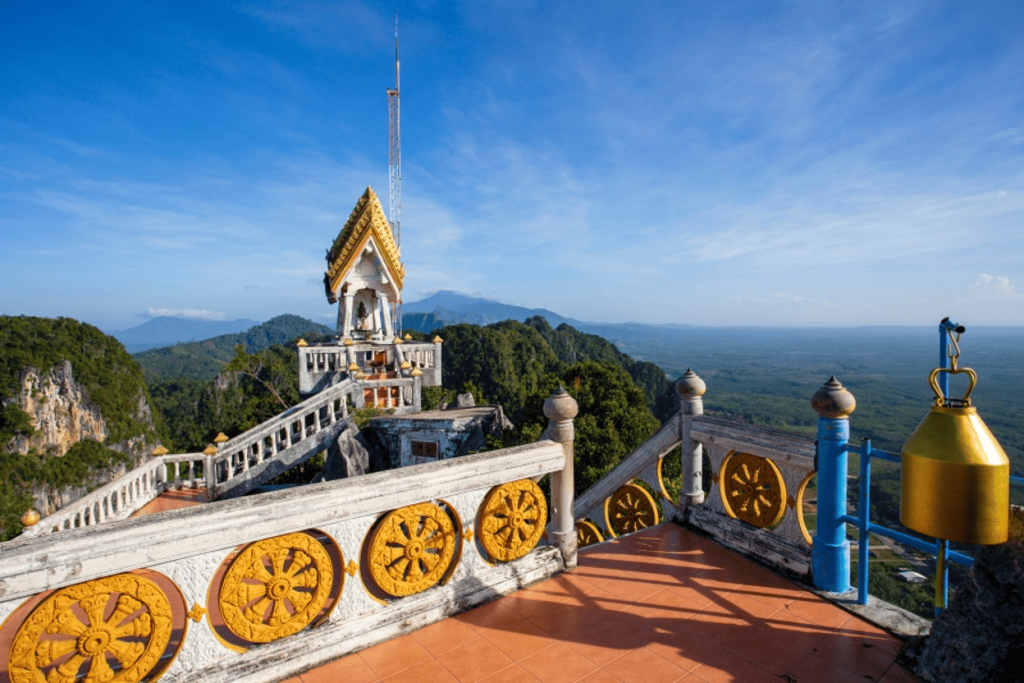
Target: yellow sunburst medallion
412,549
276,587
71,632
512,519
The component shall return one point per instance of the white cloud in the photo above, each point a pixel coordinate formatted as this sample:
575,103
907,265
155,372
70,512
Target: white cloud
187,313
993,287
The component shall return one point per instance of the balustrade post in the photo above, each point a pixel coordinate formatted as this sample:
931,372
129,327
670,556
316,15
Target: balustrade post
690,388
830,554
560,408
436,368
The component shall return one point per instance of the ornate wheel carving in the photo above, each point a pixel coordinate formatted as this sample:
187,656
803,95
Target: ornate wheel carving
752,489
411,549
629,509
512,519
70,636
662,489
276,587
800,507
587,533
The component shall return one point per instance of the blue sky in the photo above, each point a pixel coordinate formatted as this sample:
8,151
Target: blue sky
754,163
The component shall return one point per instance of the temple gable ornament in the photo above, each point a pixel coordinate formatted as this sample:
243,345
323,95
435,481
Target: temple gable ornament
364,272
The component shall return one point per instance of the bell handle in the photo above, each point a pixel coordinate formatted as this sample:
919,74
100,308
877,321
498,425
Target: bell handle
933,379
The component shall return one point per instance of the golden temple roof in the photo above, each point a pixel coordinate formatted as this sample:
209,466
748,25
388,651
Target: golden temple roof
367,219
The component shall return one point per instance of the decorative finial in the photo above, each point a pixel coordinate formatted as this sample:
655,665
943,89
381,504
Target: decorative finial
437,339
210,450
405,365
416,372
408,337
30,518
159,450
348,341
396,340
353,367
690,385
560,406
833,400
220,438
301,342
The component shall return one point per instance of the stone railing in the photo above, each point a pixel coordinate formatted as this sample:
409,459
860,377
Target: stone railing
127,494
758,477
116,500
254,457
321,365
617,504
754,503
238,466
259,589
191,476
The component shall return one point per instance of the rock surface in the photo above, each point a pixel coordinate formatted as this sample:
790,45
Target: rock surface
59,409
62,415
980,636
347,457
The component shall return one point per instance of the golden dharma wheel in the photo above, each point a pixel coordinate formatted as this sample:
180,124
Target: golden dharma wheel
587,533
512,519
799,507
412,549
752,489
629,509
276,587
115,628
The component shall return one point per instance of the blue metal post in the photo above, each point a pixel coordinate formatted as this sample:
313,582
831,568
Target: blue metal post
864,524
942,546
830,554
945,326
941,575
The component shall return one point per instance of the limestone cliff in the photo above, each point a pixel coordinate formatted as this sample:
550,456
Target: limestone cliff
62,414
66,388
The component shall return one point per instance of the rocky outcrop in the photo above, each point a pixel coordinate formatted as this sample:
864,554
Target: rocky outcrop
980,636
347,457
60,412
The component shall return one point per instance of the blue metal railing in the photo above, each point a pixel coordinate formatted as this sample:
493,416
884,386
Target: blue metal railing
939,549
831,550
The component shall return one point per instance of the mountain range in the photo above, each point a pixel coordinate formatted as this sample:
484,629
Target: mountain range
204,359
450,308
165,330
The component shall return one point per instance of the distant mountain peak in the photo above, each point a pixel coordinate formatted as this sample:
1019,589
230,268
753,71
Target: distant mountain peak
448,307
166,330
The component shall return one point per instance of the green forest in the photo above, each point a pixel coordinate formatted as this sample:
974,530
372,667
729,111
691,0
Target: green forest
109,377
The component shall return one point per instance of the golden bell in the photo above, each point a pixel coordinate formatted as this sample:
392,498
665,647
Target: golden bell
956,477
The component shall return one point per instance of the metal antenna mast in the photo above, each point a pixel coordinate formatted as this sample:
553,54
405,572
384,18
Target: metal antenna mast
395,167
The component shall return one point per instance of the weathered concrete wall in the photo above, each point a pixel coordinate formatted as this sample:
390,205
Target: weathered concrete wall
188,546
457,432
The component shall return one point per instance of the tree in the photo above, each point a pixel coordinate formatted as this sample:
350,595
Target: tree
613,418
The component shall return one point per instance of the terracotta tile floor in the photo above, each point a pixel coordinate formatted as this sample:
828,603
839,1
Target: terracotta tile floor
660,605
173,500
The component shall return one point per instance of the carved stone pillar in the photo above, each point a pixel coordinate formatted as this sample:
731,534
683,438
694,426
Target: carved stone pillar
385,312
347,301
560,409
690,388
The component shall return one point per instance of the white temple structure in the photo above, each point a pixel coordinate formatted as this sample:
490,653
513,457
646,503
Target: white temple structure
364,273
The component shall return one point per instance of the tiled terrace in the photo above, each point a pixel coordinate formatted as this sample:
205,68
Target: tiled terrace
660,605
